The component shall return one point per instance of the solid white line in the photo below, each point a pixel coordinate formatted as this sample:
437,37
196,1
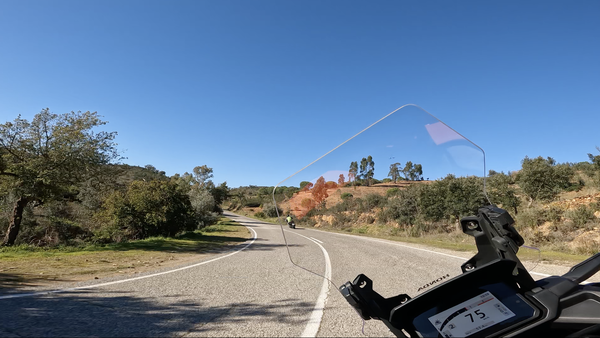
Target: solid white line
20,295
425,250
316,240
314,322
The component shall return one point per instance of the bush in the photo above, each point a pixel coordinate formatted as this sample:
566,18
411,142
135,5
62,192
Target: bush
346,196
341,221
374,201
543,179
553,214
146,209
531,218
260,214
392,192
252,204
402,209
272,211
307,221
581,216
204,206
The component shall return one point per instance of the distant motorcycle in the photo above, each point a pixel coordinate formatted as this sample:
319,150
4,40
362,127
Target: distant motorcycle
291,224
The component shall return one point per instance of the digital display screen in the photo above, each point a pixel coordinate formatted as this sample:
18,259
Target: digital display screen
471,316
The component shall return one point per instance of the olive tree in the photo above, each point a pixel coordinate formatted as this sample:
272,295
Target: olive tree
542,179
502,191
44,159
148,208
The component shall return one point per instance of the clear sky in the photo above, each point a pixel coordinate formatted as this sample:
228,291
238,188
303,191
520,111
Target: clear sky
257,89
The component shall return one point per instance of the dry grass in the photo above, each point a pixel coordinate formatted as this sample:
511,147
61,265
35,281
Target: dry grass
34,267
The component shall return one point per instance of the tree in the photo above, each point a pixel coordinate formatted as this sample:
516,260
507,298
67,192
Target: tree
394,172
43,159
353,172
305,185
417,172
451,197
151,208
202,175
542,179
465,196
595,159
413,172
204,205
501,191
367,169
219,193
319,191
363,169
341,180
370,169
264,191
407,169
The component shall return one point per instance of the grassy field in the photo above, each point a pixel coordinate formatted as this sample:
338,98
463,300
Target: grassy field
34,266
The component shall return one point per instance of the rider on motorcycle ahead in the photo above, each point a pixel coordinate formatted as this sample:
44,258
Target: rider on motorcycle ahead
289,221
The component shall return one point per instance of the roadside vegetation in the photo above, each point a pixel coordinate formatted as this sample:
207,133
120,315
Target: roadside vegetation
23,265
556,206
62,186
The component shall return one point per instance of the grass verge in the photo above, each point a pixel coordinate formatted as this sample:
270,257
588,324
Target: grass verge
22,266
453,241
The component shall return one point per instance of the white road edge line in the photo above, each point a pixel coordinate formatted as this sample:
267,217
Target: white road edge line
314,322
435,252
20,295
316,240
425,250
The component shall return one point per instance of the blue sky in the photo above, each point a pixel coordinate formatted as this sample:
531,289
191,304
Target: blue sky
258,89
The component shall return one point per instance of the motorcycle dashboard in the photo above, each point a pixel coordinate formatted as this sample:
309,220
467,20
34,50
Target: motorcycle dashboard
477,303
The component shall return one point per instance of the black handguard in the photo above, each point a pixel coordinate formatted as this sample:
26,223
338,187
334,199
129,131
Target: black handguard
496,238
369,304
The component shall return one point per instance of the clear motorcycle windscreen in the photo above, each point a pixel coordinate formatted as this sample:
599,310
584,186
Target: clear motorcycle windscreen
407,175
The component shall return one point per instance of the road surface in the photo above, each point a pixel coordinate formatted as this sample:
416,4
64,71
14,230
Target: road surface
251,290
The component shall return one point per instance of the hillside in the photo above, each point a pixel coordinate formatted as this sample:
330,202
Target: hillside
294,204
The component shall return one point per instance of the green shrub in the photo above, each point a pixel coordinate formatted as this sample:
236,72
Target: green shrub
260,214
392,192
307,221
553,214
576,186
272,211
346,196
530,218
252,204
146,209
341,221
543,179
581,216
374,201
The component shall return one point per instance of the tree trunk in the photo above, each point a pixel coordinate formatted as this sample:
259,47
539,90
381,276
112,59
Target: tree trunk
15,222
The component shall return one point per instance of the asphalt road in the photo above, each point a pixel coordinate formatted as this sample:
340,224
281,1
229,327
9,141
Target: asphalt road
252,290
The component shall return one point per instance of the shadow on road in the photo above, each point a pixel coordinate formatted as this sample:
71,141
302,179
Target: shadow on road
87,313
9,282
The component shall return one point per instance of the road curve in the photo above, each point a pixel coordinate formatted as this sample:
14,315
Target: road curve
254,292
